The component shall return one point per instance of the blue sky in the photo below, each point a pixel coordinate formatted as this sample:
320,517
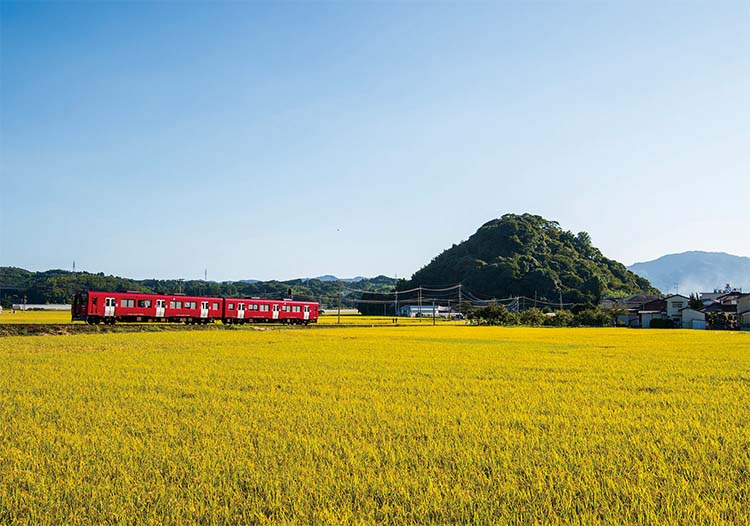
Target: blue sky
278,140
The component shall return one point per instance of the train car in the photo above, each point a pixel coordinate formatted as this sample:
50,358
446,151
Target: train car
256,310
110,307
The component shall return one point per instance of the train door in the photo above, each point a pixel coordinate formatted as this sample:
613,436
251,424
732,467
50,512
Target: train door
204,309
160,308
307,312
275,315
240,311
109,307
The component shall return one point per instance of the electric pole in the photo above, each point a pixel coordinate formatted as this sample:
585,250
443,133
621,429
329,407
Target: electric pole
419,303
433,312
340,293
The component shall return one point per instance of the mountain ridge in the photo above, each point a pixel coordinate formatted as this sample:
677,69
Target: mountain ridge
695,271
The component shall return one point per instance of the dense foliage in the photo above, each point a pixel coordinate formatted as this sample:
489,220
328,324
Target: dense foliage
59,286
527,255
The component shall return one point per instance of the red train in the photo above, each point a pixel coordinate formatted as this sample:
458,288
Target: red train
110,307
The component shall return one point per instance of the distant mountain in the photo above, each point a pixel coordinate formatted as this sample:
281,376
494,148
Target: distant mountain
695,271
527,255
329,277
249,281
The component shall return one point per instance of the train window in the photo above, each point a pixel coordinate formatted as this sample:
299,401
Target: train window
93,300
144,304
231,306
215,306
177,304
127,303
254,306
190,304
264,308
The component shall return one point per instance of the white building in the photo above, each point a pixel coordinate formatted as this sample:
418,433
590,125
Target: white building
675,303
413,311
693,319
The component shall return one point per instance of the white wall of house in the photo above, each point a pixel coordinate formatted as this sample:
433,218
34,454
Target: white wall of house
693,319
675,304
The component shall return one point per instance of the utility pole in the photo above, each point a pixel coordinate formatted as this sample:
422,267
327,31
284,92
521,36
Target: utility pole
433,312
340,292
419,303
205,274
561,305
396,313
460,298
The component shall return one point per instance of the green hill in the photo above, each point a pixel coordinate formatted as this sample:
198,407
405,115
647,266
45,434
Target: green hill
527,255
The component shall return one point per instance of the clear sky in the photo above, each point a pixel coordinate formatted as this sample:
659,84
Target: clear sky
280,140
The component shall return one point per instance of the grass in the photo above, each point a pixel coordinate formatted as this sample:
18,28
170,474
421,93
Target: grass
415,425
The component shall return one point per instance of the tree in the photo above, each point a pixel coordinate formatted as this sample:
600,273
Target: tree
695,301
533,317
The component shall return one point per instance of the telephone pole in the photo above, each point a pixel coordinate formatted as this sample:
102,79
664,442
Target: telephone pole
419,303
433,312
340,293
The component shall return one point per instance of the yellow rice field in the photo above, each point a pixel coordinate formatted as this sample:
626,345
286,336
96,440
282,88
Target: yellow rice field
58,317
407,425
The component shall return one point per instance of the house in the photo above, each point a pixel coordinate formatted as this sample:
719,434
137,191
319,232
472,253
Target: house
634,301
709,297
414,311
729,298
675,303
646,316
743,311
693,319
721,316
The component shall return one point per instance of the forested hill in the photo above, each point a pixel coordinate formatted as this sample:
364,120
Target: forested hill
58,286
527,255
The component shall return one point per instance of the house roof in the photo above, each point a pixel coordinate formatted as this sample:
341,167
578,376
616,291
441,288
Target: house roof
676,296
656,304
692,309
720,307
